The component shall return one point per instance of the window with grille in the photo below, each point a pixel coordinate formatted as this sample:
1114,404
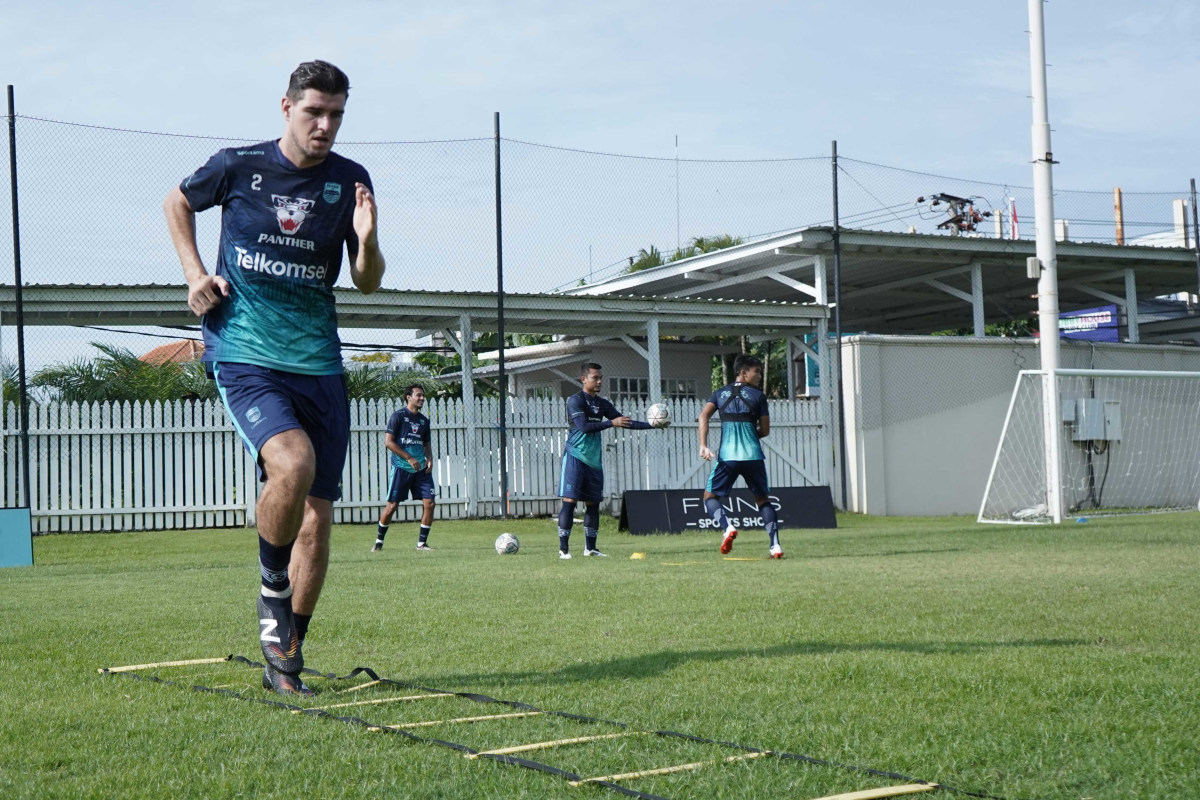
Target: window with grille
637,390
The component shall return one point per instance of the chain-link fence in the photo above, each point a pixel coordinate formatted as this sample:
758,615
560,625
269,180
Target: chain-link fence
105,323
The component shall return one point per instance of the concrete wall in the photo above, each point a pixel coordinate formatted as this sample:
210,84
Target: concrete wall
924,413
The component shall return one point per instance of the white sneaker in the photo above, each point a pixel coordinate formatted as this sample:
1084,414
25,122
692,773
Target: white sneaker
423,546
776,551
563,555
594,553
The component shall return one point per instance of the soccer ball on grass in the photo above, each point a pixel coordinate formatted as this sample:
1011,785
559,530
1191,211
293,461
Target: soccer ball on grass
507,544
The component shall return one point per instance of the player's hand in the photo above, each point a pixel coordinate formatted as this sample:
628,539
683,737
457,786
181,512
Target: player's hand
416,465
621,422
429,466
705,453
206,293
365,215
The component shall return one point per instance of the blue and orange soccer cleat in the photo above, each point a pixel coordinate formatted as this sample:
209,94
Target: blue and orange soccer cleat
278,635
279,683
727,542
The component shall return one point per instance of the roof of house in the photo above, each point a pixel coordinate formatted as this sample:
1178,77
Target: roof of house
182,351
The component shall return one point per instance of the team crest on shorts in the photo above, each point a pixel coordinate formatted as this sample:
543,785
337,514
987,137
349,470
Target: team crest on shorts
332,193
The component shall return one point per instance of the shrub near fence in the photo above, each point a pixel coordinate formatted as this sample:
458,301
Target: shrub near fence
127,466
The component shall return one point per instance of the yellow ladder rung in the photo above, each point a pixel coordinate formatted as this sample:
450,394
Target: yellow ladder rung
524,748
624,776
374,702
406,725
884,791
360,686
189,662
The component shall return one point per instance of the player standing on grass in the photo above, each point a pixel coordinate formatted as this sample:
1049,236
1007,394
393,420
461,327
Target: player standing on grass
411,470
582,476
744,421
271,337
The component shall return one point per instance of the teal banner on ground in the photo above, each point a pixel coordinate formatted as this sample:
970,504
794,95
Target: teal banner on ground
16,538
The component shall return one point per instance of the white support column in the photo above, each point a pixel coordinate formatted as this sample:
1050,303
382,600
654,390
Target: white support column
791,369
826,380
466,350
654,361
1131,305
977,297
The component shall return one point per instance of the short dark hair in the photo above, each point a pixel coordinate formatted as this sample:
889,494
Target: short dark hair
743,362
416,387
319,75
587,367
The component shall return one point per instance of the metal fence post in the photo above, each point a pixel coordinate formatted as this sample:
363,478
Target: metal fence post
837,325
22,389
503,384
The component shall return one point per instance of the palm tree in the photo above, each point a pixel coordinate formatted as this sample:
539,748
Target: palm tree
118,375
371,382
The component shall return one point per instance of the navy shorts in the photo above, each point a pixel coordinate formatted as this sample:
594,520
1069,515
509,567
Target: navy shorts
402,483
725,473
578,481
263,402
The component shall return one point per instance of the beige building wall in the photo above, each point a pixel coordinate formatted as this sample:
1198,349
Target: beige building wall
924,413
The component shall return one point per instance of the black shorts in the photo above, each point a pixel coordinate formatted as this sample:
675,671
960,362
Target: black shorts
263,402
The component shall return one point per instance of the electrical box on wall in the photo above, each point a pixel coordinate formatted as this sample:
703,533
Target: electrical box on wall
1092,419
1089,420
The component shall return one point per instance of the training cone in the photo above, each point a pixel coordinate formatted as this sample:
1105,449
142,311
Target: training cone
638,557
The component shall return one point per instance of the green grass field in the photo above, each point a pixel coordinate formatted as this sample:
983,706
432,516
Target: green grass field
1017,661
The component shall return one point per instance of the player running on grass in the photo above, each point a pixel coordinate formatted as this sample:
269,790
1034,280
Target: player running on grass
744,421
582,476
270,334
411,470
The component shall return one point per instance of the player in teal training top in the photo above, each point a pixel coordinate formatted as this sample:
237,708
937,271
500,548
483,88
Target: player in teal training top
582,476
744,421
288,208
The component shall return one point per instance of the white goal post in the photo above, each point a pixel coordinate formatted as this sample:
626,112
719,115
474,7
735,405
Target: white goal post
1087,443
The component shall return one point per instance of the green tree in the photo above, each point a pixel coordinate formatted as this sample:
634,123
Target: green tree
117,375
371,382
645,259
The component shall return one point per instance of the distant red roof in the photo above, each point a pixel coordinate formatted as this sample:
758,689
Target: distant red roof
179,352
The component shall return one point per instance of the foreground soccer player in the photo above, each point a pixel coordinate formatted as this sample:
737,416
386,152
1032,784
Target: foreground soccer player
582,476
271,338
744,420
411,468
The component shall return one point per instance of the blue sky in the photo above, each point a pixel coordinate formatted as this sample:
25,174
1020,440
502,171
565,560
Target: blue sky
939,88
929,86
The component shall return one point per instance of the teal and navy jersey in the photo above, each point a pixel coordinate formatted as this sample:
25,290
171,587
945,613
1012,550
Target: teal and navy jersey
588,416
741,406
410,431
282,232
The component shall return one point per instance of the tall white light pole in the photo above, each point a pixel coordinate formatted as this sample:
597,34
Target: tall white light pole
1043,209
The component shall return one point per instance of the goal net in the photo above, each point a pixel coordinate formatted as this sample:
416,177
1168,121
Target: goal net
1089,443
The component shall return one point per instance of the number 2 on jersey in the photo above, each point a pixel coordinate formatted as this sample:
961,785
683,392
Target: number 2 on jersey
257,179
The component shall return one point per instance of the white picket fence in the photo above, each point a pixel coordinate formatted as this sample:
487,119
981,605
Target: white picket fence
123,466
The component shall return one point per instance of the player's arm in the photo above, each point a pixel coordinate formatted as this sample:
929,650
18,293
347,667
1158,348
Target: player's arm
764,427
619,420
427,440
389,442
204,291
367,264
706,413
764,418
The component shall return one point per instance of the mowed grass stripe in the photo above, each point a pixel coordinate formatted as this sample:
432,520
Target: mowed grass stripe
1048,663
